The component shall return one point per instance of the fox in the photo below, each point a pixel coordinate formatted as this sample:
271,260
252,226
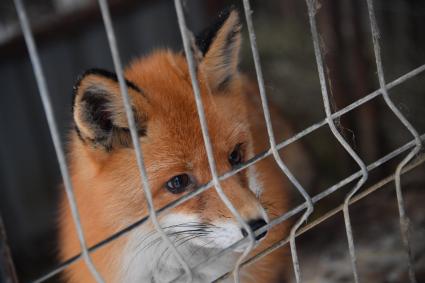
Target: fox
108,188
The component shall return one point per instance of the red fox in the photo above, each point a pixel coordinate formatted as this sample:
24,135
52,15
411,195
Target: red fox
106,179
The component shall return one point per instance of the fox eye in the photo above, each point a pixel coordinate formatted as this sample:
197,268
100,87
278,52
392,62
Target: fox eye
235,157
178,184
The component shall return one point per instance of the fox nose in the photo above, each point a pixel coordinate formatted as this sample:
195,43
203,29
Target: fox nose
255,224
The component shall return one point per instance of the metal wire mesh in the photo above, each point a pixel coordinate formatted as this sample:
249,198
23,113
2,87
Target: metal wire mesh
272,141
360,176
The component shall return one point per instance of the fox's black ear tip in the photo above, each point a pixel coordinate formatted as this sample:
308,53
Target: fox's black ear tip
205,37
227,12
92,71
82,76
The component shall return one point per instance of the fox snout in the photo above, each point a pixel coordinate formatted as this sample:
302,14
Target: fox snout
255,225
254,215
229,230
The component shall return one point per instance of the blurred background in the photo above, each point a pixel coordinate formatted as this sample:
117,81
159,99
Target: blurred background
71,38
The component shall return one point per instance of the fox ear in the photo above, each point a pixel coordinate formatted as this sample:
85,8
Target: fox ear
219,46
98,110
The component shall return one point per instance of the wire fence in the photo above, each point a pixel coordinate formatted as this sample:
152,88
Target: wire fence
413,148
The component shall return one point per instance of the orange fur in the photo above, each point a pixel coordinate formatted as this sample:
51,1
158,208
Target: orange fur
107,184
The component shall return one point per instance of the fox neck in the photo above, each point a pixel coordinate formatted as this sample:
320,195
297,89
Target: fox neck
153,261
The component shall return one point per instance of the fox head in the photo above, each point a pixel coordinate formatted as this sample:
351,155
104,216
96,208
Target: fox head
103,159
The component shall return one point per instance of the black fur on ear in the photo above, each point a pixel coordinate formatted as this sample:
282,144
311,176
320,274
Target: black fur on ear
205,37
98,110
104,73
219,46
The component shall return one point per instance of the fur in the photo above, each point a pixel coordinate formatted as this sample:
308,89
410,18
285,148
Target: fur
108,187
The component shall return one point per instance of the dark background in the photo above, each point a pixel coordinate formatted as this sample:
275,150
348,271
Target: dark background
71,38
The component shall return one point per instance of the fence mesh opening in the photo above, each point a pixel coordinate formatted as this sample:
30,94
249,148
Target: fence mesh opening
408,155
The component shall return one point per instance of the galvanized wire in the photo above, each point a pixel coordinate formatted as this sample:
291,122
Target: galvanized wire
415,72
57,143
315,199
185,33
404,220
135,137
401,168
312,6
309,226
272,142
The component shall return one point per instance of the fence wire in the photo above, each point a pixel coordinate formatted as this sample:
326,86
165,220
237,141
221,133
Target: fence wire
404,221
312,6
360,176
329,214
272,142
51,121
135,137
186,37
